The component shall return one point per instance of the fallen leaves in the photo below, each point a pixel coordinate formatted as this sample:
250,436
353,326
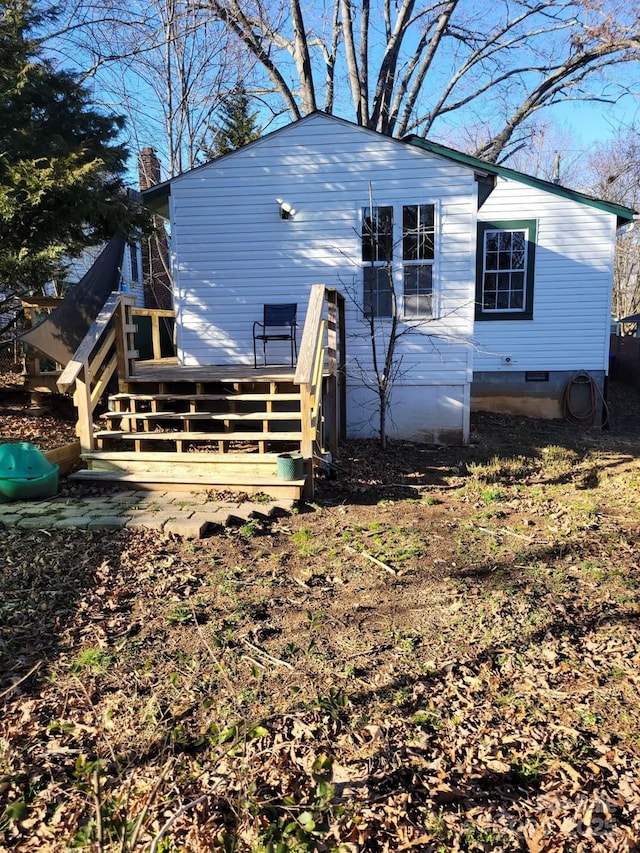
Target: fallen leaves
237,693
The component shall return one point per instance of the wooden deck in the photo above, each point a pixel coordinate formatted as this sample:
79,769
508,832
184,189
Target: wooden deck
168,370
223,425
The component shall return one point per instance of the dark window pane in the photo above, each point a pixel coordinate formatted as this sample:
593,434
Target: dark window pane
491,241
504,261
410,217
502,300
377,234
418,232
489,300
418,287
517,262
518,241
504,241
517,299
410,247
377,291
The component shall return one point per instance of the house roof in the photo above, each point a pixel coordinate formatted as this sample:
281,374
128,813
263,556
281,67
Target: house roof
623,214
156,198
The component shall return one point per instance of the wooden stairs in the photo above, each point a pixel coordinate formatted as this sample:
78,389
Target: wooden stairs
199,434
186,427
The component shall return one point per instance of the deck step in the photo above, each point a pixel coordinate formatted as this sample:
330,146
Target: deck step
202,416
240,396
199,436
230,465
277,488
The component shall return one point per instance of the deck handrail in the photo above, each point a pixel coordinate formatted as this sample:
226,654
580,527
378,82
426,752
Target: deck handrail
105,350
311,333
320,375
89,342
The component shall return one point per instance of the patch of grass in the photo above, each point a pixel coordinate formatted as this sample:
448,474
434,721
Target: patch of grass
94,660
431,500
427,720
529,769
251,528
492,496
262,498
501,469
188,614
305,541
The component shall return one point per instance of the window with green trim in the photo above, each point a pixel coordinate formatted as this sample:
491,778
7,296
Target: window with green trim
505,269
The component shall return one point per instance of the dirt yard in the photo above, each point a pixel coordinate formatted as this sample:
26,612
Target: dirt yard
440,654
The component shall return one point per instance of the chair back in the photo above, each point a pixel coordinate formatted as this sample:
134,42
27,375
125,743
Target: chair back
280,315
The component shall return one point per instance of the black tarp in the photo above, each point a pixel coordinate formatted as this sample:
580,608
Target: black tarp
59,335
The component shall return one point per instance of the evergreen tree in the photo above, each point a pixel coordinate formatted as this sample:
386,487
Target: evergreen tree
61,166
238,125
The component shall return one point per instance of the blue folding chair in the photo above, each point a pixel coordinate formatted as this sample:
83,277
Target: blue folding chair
278,324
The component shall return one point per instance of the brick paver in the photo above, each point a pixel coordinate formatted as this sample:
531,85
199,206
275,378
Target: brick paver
188,514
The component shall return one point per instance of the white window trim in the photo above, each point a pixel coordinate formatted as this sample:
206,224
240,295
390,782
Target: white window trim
398,263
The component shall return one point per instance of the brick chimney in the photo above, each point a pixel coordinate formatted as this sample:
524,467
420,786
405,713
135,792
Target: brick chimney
148,168
155,251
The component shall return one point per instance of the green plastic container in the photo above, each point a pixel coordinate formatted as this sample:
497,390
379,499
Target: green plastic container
26,473
290,466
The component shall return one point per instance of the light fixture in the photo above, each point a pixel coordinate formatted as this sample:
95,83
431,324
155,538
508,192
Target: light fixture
286,211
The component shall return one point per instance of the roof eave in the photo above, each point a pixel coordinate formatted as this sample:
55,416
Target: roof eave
623,214
156,198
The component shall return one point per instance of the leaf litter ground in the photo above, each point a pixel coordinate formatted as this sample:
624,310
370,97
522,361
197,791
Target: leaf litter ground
442,653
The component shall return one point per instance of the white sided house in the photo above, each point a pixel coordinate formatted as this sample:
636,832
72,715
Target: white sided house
502,281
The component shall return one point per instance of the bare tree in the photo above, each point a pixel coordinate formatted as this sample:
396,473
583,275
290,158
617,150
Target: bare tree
386,316
166,63
425,68
615,176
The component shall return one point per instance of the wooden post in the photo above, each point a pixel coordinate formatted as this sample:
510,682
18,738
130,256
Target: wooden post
306,443
342,367
331,418
125,353
155,337
82,399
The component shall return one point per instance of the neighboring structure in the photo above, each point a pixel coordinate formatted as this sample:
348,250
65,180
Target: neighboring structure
131,280
503,281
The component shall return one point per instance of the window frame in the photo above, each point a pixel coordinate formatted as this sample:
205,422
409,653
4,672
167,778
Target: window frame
409,263
397,264
530,227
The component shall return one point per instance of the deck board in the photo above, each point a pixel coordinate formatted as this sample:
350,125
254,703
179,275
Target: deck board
168,370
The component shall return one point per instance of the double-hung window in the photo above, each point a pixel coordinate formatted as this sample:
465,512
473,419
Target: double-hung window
506,255
398,250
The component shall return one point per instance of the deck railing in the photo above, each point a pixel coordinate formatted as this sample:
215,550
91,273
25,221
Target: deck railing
106,348
35,309
320,375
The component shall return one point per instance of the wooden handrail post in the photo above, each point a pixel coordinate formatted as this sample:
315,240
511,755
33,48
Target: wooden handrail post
125,331
331,418
82,400
306,442
342,366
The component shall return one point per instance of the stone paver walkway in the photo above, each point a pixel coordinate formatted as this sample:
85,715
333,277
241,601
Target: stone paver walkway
188,514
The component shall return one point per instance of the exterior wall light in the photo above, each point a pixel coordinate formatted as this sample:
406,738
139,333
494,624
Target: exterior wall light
286,211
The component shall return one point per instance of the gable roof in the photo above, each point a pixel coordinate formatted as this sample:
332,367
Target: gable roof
157,197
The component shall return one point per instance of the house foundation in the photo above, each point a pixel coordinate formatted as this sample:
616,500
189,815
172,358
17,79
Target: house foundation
541,394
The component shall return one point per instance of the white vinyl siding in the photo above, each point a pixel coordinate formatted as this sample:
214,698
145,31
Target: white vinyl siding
323,168
571,287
